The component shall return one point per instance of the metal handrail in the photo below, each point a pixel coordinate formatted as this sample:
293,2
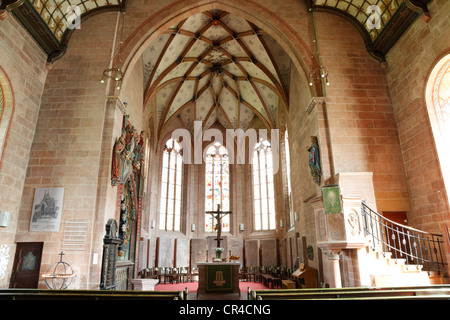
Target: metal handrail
415,246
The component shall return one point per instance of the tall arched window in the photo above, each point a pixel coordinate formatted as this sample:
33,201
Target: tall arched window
1,102
217,185
438,104
171,187
288,176
6,110
263,187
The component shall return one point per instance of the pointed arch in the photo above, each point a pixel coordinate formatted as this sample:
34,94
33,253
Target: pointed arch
300,53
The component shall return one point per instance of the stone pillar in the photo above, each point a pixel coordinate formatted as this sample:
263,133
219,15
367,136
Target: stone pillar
335,276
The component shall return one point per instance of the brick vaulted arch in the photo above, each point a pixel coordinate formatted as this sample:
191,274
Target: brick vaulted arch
156,24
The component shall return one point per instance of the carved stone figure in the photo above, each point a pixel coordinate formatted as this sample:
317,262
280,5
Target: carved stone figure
314,160
116,171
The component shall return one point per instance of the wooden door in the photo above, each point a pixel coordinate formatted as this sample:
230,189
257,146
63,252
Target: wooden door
396,239
27,264
397,216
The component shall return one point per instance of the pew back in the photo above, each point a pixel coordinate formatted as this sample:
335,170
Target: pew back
47,294
424,292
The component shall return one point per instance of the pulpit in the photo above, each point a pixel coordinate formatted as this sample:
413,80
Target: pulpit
218,277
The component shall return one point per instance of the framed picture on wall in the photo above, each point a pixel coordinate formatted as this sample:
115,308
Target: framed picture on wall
47,209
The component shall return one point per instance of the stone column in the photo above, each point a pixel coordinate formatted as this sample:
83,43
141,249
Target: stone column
335,276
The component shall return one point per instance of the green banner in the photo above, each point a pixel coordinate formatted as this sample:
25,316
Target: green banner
219,278
332,202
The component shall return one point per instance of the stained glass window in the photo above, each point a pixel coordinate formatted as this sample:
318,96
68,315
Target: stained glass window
441,95
217,185
263,187
171,187
438,105
58,16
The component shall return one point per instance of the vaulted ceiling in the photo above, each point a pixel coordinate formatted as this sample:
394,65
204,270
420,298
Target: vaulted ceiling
48,20
215,66
55,13
396,16
361,11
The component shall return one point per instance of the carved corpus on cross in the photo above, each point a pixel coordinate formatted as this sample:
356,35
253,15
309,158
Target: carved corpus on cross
218,215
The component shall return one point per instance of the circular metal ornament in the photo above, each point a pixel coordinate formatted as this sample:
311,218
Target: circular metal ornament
59,275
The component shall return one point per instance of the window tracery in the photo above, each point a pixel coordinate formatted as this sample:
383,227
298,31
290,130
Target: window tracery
171,187
441,95
263,187
217,185
438,105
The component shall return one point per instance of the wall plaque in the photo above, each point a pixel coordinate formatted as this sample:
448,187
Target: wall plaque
47,209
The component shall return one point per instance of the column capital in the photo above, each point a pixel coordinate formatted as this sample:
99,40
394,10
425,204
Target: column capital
313,102
333,254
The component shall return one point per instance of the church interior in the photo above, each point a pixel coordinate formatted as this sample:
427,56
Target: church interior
271,145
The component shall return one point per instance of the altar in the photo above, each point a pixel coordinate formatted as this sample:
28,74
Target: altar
218,277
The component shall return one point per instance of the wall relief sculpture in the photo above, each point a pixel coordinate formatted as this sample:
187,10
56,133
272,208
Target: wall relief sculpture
128,155
128,172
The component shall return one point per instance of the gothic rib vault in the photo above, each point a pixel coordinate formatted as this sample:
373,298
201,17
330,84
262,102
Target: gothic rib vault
215,66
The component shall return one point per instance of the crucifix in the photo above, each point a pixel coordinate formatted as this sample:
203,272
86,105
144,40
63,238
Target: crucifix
218,215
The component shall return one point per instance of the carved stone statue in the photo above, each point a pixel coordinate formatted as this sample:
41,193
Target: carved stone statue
128,157
314,160
116,170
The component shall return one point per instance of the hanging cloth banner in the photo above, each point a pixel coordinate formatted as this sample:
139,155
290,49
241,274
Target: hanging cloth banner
332,201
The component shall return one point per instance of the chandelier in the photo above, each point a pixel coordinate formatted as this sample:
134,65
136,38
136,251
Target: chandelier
114,73
320,73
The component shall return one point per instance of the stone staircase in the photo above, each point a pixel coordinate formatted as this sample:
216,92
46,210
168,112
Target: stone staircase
387,271
383,235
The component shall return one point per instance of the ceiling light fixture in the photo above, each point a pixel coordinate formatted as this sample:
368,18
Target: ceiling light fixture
318,73
114,73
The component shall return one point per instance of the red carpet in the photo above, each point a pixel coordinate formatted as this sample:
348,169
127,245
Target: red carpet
192,286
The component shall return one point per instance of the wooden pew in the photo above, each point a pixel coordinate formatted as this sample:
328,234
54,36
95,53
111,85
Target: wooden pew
270,281
48,294
424,292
